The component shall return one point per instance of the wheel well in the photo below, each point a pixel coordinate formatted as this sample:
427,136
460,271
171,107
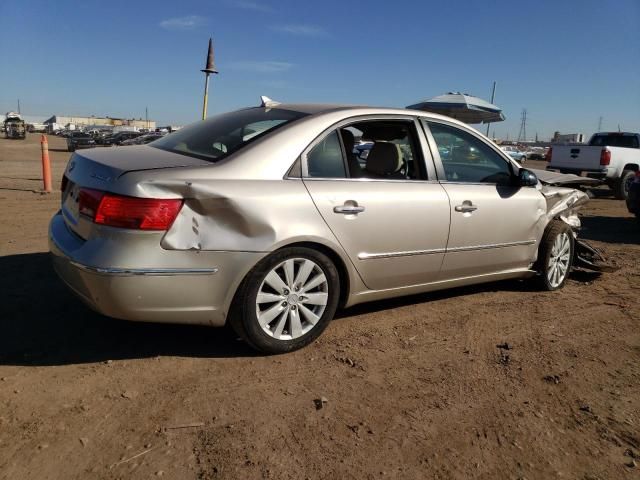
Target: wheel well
631,166
337,261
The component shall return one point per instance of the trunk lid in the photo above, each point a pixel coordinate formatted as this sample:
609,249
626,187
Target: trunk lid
99,168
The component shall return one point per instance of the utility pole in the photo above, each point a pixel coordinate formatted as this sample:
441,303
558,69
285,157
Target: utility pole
146,116
208,70
600,124
522,135
19,107
493,96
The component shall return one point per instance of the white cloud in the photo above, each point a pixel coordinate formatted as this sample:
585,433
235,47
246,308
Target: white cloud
301,29
261,66
189,22
249,5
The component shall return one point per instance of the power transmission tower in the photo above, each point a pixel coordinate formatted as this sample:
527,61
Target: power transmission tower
600,124
522,135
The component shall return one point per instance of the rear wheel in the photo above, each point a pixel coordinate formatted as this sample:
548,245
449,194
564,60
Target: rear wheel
621,187
287,300
555,256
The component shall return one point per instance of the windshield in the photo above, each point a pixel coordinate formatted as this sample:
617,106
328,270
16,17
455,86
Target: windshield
222,135
615,140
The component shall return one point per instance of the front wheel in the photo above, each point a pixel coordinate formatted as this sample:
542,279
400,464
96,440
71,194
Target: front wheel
287,300
555,256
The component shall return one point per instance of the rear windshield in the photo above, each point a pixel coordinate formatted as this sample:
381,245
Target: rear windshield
219,136
613,140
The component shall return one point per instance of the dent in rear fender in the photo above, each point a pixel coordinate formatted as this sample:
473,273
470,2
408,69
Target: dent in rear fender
240,215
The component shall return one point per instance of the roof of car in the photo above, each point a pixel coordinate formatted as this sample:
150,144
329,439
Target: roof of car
319,108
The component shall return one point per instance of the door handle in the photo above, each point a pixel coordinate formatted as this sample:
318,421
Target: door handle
466,207
349,208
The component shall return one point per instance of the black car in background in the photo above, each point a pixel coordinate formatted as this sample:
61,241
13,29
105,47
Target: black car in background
118,138
77,140
633,198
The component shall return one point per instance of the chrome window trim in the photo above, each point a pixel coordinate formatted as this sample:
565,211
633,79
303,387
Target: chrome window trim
361,118
410,253
425,120
384,180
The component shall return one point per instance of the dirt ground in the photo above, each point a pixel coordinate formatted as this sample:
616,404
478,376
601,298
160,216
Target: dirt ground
490,382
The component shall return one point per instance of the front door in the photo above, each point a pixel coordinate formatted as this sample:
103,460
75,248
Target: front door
494,221
390,219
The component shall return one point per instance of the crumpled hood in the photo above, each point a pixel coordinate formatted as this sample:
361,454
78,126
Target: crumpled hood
547,177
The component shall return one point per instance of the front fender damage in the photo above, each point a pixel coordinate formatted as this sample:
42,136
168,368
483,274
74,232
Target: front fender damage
563,204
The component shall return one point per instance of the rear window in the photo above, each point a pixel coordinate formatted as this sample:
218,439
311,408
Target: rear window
613,140
219,136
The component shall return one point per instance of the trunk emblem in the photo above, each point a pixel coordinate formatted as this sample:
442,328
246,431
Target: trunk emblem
100,177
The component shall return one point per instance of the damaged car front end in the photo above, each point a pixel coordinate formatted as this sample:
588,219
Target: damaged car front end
565,195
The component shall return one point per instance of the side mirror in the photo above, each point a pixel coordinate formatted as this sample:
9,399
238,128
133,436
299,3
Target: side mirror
527,178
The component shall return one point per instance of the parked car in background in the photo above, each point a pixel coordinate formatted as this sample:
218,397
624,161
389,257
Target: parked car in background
143,139
633,198
273,232
514,153
535,153
118,138
78,139
610,156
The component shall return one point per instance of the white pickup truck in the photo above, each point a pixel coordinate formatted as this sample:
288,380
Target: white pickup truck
613,157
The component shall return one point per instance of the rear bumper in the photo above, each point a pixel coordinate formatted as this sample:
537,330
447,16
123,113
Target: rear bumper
153,293
600,174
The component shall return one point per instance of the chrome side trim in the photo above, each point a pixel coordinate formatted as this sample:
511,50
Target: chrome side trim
144,271
372,256
487,247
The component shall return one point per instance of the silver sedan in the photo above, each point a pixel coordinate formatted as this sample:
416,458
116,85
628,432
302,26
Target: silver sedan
267,218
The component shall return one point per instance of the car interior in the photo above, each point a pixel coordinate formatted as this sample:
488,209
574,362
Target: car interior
391,155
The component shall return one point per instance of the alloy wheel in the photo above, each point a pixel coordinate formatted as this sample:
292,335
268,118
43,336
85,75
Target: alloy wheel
559,260
292,298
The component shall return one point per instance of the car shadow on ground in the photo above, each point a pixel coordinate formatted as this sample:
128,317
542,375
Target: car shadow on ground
43,324
610,229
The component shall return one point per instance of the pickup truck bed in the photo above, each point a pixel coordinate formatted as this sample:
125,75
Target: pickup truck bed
611,157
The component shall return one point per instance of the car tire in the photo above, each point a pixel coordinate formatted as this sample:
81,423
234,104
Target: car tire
554,263
621,187
523,159
270,310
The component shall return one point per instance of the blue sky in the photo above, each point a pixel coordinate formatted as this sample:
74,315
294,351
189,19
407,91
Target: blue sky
567,62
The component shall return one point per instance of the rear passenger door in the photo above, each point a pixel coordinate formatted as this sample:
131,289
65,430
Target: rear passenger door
393,227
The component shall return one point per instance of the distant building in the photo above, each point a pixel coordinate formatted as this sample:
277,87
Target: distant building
568,138
101,121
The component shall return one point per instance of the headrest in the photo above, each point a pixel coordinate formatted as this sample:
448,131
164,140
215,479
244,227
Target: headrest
384,158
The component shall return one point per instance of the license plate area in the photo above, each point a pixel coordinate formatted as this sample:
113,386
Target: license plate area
70,203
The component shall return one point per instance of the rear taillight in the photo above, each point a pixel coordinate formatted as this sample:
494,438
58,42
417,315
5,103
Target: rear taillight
128,212
89,201
605,157
547,156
